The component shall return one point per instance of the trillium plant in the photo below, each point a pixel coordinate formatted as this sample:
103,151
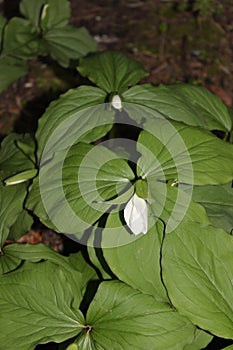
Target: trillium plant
42,30
141,177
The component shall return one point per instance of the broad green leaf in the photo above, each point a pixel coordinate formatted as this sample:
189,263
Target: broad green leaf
197,271
174,151
34,204
55,14
112,71
31,9
62,119
90,280
13,254
115,232
192,105
218,202
120,245
173,209
167,163
8,261
121,317
72,347
20,39
138,263
209,105
88,273
173,205
77,185
91,176
37,252
39,305
200,341
11,69
26,144
21,226
14,159
95,255
68,43
11,206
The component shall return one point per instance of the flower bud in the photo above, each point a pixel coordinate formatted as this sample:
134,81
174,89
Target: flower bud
136,215
116,102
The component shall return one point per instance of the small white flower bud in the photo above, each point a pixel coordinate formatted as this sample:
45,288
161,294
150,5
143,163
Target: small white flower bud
136,215
116,102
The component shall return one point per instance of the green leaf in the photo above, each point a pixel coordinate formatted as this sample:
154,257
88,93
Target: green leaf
31,9
115,232
112,71
63,120
138,263
72,347
37,303
77,185
200,341
95,254
34,203
96,257
120,317
192,105
208,105
173,205
26,144
36,253
11,206
78,262
218,202
100,176
197,270
14,159
174,151
13,254
55,14
21,226
68,43
11,69
20,39
175,155
8,261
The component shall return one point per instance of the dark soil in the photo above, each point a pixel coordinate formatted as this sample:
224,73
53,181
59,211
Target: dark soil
175,40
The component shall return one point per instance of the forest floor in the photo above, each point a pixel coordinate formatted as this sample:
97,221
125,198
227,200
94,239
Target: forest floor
177,41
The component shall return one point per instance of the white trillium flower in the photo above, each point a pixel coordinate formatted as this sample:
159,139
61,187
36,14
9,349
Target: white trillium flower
136,215
116,102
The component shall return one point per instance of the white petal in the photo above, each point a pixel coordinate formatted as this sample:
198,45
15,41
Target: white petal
136,215
116,102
